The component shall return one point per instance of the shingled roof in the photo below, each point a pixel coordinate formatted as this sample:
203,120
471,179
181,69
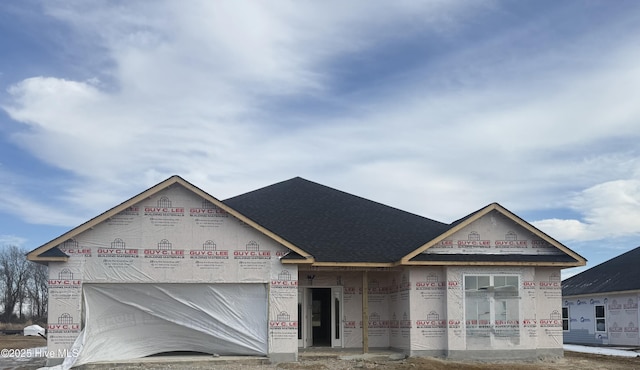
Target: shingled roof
334,226
615,275
325,226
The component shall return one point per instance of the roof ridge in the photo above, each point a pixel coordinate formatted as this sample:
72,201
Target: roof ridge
265,187
298,178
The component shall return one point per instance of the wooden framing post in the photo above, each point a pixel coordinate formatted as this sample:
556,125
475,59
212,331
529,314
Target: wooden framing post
365,312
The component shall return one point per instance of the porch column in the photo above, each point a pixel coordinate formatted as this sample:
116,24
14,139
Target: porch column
365,312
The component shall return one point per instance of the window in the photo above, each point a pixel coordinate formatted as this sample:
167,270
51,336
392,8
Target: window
337,317
492,309
299,320
565,318
600,319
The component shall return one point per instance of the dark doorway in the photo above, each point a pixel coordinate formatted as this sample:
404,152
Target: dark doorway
321,316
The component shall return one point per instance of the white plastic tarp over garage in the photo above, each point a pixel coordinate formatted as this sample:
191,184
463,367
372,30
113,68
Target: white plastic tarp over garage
124,321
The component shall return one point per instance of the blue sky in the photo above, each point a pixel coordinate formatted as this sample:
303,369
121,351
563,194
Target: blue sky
435,107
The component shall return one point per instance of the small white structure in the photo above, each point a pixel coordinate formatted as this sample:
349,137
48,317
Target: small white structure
33,330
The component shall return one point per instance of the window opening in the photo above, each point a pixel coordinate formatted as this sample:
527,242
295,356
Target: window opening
492,309
337,317
600,319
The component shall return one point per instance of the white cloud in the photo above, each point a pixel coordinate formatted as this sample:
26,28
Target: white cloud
275,47
197,90
11,240
610,209
16,200
187,88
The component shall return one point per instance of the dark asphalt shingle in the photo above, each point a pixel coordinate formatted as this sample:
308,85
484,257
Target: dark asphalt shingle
335,226
53,252
617,274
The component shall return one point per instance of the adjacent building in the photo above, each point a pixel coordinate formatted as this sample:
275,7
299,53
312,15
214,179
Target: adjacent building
600,305
297,265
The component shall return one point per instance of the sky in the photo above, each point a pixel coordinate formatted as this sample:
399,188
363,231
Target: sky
438,108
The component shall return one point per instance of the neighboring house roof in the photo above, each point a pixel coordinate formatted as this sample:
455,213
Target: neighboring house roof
334,226
615,275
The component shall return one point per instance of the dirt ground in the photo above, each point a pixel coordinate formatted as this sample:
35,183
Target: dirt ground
21,342
571,361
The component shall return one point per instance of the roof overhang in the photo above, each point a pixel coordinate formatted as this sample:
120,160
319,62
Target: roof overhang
353,264
609,293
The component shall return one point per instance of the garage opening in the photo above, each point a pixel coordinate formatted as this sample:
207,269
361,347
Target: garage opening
126,321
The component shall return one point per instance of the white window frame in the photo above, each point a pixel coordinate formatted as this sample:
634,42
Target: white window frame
567,318
493,314
603,318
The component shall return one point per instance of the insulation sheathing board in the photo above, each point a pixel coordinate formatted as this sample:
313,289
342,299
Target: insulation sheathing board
428,309
65,304
176,237
400,310
352,310
549,308
378,326
494,233
283,310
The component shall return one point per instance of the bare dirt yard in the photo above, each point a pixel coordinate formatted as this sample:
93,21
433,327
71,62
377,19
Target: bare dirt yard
571,361
21,342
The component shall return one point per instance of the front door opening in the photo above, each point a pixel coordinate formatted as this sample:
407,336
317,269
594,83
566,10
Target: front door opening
321,316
